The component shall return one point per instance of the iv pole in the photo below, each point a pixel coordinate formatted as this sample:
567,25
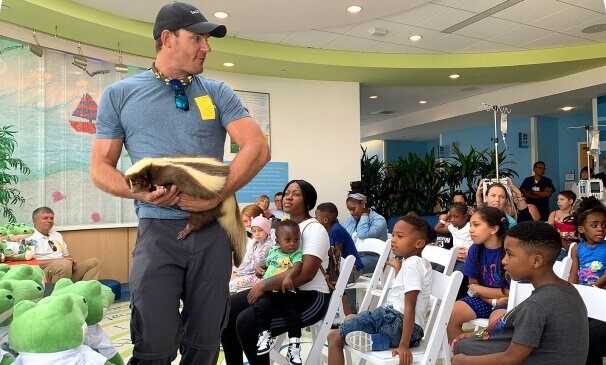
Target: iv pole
504,111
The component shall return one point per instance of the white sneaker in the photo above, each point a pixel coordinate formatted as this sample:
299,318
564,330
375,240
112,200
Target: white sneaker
365,342
265,343
293,356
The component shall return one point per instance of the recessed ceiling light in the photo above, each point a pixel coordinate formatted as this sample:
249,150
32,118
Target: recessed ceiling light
354,9
454,76
415,38
567,108
373,97
229,64
221,15
422,101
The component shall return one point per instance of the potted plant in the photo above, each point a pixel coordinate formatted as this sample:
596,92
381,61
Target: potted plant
9,166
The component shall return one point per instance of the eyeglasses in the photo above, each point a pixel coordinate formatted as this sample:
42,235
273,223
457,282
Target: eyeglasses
52,245
181,101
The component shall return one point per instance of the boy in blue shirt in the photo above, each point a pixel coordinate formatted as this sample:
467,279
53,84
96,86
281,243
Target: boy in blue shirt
326,215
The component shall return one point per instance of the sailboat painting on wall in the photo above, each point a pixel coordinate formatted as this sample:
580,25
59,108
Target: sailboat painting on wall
86,111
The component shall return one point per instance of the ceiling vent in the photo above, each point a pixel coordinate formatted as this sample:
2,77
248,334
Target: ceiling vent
379,32
382,112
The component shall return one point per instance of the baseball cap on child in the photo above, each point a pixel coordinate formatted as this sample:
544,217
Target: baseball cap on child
177,15
262,223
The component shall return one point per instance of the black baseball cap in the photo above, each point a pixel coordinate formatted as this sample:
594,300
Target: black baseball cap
178,15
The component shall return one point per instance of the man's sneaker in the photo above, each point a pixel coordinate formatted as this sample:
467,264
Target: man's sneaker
364,342
265,343
293,356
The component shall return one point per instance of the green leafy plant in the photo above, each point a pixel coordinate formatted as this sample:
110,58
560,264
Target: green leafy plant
373,177
9,165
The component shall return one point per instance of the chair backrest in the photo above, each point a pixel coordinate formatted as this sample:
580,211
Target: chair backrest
444,290
321,329
441,256
518,292
377,274
562,268
371,245
594,299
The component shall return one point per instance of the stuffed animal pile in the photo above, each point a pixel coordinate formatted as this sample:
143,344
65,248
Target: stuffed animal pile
60,329
14,245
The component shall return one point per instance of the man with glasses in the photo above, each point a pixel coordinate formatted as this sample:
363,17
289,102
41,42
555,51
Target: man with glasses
52,254
538,189
278,212
171,110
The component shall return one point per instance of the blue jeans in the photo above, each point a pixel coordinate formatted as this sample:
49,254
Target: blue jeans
384,320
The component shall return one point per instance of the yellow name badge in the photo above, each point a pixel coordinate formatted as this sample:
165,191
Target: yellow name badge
206,107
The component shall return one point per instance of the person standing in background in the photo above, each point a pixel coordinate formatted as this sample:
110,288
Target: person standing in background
538,189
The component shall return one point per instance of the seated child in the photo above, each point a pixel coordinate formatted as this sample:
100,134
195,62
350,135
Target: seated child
588,265
488,286
326,215
589,256
550,327
456,222
245,275
285,256
562,219
399,323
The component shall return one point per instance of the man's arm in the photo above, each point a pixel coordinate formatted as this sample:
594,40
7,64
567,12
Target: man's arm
253,155
104,159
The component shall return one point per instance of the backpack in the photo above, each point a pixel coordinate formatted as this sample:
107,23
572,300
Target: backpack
331,274
334,262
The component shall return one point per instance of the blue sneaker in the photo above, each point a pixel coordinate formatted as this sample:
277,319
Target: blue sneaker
365,342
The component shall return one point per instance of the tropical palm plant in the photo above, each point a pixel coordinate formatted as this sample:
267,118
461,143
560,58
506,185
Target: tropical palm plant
10,195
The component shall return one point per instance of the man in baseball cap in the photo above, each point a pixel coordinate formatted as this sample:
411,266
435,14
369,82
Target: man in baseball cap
178,15
171,110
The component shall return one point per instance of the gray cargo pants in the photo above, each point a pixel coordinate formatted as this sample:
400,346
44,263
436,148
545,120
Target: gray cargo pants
165,270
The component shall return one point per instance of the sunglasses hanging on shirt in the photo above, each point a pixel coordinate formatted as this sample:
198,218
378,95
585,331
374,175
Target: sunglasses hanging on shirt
177,85
52,245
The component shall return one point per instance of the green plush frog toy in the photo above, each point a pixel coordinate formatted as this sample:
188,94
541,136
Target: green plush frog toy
7,302
19,290
98,298
51,332
22,272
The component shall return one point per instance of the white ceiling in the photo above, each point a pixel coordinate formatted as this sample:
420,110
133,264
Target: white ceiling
529,24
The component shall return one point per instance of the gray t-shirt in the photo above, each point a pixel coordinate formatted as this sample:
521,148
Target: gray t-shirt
141,111
553,320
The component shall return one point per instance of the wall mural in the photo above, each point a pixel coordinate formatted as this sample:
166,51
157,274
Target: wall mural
52,102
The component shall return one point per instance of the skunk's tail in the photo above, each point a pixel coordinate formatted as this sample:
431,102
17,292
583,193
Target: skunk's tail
232,224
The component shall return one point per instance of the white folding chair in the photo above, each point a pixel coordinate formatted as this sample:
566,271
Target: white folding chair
319,331
371,285
444,288
562,268
594,299
441,256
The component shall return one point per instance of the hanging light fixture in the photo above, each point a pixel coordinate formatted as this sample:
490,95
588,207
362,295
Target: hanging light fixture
120,67
36,48
79,59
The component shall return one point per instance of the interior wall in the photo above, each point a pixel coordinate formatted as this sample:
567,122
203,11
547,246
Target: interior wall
315,127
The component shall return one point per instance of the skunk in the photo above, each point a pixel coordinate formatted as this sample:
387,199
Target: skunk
200,177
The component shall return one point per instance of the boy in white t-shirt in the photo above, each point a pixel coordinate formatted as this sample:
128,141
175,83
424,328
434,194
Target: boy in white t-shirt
399,323
457,224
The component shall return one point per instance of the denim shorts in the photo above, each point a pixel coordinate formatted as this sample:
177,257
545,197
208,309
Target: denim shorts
383,320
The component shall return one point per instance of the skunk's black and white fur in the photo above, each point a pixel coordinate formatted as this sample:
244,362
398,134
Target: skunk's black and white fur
200,177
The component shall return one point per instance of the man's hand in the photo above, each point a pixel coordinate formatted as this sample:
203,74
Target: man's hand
191,204
162,196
